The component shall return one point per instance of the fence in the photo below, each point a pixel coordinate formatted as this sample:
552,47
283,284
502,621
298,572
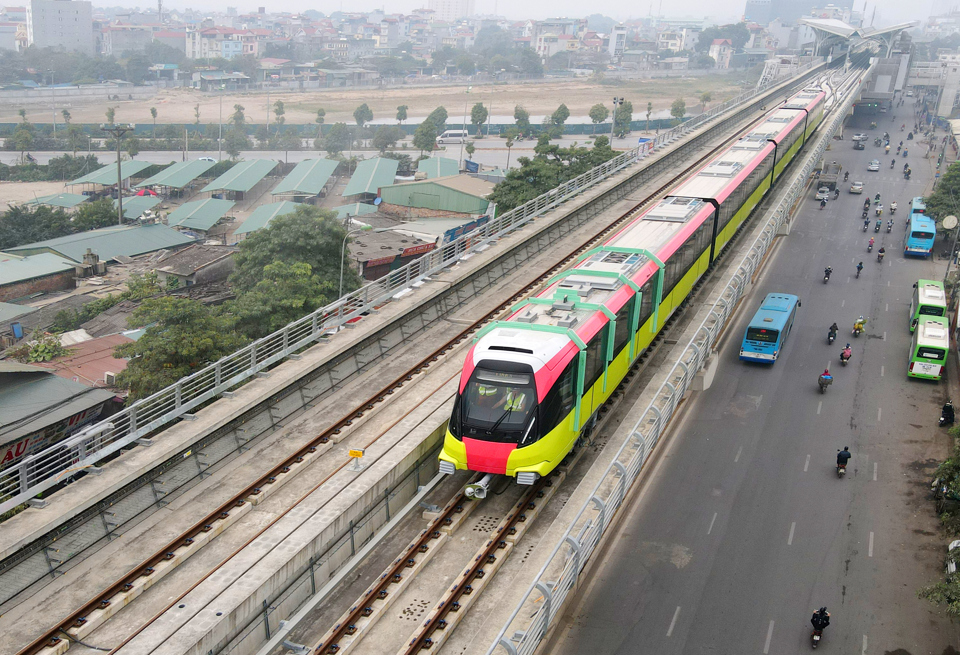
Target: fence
20,481
531,621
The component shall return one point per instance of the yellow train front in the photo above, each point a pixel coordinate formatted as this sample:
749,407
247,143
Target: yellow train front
532,384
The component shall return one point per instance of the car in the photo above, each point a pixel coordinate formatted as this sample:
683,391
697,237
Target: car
823,193
859,136
858,145
874,166
856,187
208,159
951,564
909,94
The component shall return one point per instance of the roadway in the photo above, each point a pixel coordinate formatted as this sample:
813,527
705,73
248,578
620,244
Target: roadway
742,528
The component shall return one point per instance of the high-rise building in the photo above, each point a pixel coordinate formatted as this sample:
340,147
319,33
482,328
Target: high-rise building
447,11
66,24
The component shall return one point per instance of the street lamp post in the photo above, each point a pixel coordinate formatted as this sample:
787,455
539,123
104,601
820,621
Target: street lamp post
118,131
464,138
613,121
220,135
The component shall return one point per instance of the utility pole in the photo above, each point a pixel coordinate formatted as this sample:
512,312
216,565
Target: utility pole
613,122
220,136
118,131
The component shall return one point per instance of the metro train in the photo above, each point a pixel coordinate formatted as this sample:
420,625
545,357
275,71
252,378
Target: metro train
532,384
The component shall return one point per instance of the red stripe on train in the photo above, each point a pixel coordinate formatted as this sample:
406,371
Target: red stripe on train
487,456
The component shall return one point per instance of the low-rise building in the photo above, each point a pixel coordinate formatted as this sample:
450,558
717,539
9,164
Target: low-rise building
196,264
22,275
721,50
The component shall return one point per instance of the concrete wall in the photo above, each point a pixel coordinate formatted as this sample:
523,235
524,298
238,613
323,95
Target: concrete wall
89,93
46,284
402,211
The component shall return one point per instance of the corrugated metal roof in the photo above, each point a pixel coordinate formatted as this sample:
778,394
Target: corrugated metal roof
33,400
242,177
17,269
370,175
309,177
456,193
438,167
262,215
9,311
65,200
354,209
180,174
108,174
134,206
108,242
200,214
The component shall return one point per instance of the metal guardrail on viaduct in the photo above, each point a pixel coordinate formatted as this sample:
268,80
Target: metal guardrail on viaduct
47,468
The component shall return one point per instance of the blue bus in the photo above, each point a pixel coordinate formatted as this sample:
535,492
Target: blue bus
769,328
921,231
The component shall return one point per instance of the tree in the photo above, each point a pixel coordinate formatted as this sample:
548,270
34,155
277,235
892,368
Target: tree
111,114
623,117
22,140
705,97
492,41
401,114
181,337
338,139
286,292
945,199
309,235
598,114
23,115
470,148
703,60
738,34
387,136
278,113
425,138
94,215
362,114
153,114
321,114
678,109
132,146
196,114
522,118
76,139
511,135
478,116
235,140
649,111
560,115
439,119
237,118
66,116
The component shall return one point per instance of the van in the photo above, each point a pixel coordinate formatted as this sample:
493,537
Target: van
453,136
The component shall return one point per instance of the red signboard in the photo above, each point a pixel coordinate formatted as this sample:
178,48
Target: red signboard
417,250
379,262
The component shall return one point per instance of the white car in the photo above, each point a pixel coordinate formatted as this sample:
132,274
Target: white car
951,565
823,193
856,187
208,159
909,94
859,136
874,166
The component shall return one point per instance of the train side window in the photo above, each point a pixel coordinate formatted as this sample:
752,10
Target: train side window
622,335
560,400
594,359
646,304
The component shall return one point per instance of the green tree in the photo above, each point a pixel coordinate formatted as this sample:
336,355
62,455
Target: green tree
738,34
22,140
286,292
66,116
363,115
238,118
945,199
321,115
511,135
401,114
425,138
702,60
623,117
386,137
309,235
235,141
522,118
705,97
22,113
678,109
338,139
439,119
76,139
94,215
649,111
132,146
181,337
478,116
560,115
470,148
196,114
111,113
153,114
598,114
278,113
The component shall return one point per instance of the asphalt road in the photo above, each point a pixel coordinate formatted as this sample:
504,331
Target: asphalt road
743,528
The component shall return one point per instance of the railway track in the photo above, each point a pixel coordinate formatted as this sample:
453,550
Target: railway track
100,608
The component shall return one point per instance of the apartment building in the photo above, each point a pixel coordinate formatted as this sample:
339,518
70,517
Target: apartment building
66,24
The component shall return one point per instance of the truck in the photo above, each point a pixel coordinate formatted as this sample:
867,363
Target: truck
829,175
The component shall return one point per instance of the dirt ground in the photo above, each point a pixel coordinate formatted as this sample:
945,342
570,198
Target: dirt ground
539,98
17,193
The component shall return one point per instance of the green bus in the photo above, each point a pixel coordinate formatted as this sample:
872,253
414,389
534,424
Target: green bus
929,299
929,348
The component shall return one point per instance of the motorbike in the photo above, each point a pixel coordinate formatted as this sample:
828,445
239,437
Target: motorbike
947,414
893,208
857,329
869,247
889,226
841,470
846,176
824,381
865,214
904,152
831,336
823,203
866,224
880,257
826,275
844,357
876,228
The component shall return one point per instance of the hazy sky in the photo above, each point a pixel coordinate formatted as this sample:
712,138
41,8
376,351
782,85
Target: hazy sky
888,11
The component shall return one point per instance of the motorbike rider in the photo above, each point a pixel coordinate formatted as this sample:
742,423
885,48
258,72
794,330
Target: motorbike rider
881,253
827,271
893,162
859,324
843,457
866,204
820,619
833,329
846,176
870,244
846,353
859,268
893,206
823,203
947,415
836,193
876,199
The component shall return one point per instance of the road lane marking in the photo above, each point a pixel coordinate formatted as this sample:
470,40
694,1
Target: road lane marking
874,471
881,371
887,308
766,646
806,464
878,414
844,302
739,452
793,527
864,650
884,336
819,407
673,622
888,283
870,547
710,529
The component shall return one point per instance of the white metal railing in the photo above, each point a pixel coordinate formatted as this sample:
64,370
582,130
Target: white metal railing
559,577
46,468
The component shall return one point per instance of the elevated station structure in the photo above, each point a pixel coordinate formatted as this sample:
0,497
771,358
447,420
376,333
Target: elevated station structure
830,32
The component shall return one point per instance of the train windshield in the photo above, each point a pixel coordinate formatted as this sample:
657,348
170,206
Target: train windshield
498,405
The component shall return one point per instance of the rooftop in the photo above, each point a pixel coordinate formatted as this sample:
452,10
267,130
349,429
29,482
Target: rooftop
242,177
107,175
88,361
370,246
107,242
371,174
355,209
179,174
15,268
262,215
134,206
308,177
199,214
9,311
189,260
65,200
438,167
